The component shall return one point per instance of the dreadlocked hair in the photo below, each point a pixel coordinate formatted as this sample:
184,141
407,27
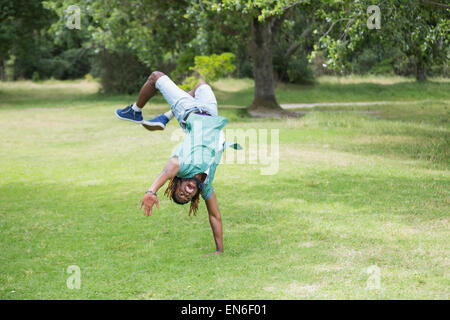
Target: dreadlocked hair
170,192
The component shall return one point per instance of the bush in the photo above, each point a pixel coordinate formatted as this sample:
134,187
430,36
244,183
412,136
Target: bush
209,68
53,67
121,72
293,68
185,63
246,69
299,71
50,60
35,77
215,66
319,66
364,61
383,67
77,63
189,83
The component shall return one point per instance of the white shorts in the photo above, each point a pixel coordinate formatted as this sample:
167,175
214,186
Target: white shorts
183,103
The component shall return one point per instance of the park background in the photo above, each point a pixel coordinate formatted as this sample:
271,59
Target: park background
359,208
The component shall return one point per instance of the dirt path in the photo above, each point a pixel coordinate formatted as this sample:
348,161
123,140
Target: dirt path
294,106
337,104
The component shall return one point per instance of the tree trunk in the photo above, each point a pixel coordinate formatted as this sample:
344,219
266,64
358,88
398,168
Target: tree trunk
421,74
2,71
261,52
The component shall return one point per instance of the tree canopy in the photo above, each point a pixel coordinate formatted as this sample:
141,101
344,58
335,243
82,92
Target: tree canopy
272,40
418,29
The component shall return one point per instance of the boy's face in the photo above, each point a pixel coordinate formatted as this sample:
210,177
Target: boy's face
186,190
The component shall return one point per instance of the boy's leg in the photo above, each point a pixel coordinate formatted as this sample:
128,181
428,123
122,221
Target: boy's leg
180,102
134,112
159,122
206,102
148,90
200,83
206,98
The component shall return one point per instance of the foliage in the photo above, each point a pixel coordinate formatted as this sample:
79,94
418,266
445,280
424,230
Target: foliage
185,62
37,51
22,24
210,68
189,83
19,20
121,72
423,40
68,64
152,32
260,9
299,71
148,29
214,66
35,76
293,44
167,35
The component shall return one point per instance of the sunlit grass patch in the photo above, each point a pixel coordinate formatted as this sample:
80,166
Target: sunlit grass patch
352,79
232,84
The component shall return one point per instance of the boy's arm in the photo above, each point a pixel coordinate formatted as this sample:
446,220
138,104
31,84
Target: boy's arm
216,222
171,169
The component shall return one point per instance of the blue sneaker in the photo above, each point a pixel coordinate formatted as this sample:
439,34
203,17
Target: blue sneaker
129,114
158,123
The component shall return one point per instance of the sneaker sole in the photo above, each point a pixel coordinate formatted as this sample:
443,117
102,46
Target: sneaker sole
154,126
122,118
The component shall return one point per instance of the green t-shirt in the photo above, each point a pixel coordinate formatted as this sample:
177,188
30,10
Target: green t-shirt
200,149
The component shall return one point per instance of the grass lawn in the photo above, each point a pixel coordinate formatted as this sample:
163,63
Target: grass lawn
357,187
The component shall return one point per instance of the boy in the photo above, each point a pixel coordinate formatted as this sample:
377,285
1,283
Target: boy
191,169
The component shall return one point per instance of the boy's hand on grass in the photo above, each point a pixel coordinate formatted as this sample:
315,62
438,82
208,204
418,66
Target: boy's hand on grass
148,201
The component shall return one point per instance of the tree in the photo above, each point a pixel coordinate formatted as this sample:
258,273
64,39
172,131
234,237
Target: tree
264,19
158,31
20,24
140,35
418,28
291,47
154,30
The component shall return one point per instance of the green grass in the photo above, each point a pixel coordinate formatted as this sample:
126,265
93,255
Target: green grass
356,187
354,89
